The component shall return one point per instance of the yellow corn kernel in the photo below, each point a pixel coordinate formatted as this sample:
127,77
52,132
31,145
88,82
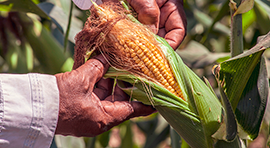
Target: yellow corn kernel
149,59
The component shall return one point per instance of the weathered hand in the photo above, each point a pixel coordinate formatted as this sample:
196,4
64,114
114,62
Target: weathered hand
165,17
172,25
87,107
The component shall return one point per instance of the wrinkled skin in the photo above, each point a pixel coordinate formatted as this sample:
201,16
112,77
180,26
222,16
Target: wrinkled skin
86,110
87,106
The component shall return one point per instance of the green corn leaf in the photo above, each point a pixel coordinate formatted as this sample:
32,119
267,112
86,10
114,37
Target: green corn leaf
16,60
207,22
175,139
127,135
248,19
22,6
262,17
196,55
104,138
60,18
223,11
155,139
230,120
45,48
69,141
16,55
244,80
224,144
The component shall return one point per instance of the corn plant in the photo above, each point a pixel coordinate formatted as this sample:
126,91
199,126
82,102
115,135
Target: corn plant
189,104
182,98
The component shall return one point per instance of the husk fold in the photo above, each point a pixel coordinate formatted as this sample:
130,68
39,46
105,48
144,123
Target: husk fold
196,117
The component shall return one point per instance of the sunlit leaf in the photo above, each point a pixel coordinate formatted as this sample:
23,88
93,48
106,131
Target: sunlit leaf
85,4
263,19
248,19
69,142
207,22
65,5
60,18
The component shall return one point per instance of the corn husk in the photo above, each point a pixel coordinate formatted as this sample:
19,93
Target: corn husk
196,117
195,120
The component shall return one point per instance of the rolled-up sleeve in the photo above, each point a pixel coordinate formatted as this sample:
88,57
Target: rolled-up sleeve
28,110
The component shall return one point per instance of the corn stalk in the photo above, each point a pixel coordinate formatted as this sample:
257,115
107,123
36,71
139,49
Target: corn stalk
236,29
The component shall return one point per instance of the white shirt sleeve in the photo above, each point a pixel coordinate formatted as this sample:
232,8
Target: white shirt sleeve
28,110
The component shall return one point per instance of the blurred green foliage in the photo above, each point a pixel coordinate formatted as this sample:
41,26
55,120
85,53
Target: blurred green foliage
34,38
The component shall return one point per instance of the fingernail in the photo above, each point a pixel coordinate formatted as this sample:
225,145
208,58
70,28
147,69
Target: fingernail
102,59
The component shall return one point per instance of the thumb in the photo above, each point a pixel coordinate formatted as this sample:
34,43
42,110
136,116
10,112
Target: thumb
94,68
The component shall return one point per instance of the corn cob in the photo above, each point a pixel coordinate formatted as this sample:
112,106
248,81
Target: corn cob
146,55
132,47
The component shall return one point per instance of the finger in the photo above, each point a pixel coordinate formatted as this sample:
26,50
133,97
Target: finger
172,22
114,113
123,110
148,12
92,71
175,32
141,109
103,88
118,95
